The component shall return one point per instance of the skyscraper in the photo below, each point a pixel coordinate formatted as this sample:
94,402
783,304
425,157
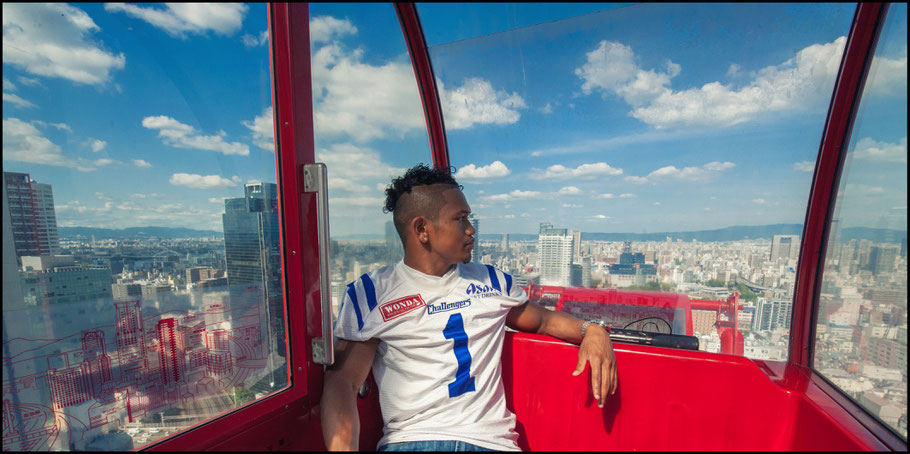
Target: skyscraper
252,253
784,246
554,252
882,258
32,215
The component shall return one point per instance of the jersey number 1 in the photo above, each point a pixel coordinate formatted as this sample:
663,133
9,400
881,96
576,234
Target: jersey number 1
464,382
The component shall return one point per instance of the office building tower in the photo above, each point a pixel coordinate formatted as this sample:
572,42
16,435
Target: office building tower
504,246
576,246
882,258
554,252
476,253
252,254
97,361
56,279
170,357
32,215
131,353
772,314
784,247
586,263
575,275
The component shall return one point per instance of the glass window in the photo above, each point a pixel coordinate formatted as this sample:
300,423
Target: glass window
142,285
369,128
861,332
644,149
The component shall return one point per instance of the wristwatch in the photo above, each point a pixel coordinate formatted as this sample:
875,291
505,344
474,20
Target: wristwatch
584,326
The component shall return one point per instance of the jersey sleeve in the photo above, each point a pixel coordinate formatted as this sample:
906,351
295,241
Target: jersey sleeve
357,319
513,295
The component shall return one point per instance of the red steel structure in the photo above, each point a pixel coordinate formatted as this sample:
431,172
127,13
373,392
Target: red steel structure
667,398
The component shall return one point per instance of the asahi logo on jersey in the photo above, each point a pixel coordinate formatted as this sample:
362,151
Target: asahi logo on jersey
401,306
443,306
481,291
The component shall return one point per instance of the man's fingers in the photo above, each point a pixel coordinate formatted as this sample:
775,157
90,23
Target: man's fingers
615,381
596,373
580,367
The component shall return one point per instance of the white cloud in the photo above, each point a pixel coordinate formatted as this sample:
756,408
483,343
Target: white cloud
103,162
355,169
547,109
804,166
263,130
96,145
800,83
179,19
871,150
8,85
477,102
863,190
327,28
141,163
601,216
593,170
179,135
203,182
52,40
25,143
472,172
627,196
514,195
10,97
689,174
364,101
31,82
604,196
254,41
569,190
571,205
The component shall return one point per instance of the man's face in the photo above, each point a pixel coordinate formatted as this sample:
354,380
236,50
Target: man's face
452,234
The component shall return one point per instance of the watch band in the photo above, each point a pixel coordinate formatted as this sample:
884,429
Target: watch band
584,326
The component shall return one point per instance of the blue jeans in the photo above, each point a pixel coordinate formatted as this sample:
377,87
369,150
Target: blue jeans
432,445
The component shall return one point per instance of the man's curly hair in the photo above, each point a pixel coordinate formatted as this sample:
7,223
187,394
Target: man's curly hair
418,175
415,203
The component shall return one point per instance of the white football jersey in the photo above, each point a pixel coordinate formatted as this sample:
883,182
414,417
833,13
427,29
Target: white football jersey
437,365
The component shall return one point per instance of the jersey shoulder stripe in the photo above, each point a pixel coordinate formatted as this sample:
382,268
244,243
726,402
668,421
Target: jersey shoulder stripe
494,281
352,294
370,291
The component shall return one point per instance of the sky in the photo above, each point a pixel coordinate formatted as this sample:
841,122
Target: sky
599,118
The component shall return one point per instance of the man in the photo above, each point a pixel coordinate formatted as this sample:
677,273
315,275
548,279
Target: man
432,327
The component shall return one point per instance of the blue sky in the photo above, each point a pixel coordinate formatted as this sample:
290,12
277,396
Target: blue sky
637,118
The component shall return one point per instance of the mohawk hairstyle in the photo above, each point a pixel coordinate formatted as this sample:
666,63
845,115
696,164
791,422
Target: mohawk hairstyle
404,203
418,175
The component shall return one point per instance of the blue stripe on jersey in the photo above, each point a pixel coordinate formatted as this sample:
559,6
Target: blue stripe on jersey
494,281
352,293
508,283
370,291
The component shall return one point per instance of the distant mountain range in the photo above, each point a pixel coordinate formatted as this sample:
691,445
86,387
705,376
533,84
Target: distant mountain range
136,232
735,233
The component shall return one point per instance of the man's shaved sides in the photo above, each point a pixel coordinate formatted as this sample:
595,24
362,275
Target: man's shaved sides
423,201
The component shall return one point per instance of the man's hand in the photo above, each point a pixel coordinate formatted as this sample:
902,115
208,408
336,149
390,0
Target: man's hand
597,349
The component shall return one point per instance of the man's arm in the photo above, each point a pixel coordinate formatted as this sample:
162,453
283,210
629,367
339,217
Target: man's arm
595,348
338,408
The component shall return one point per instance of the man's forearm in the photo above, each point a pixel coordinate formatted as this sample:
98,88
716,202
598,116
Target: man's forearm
340,421
563,326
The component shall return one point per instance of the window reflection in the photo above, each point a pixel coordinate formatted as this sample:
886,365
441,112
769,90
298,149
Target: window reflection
641,164
142,277
861,335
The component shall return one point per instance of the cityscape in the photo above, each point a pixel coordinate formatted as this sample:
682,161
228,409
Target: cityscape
116,342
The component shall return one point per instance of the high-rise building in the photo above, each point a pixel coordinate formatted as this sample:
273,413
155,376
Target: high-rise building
784,246
586,263
170,357
554,252
252,253
131,353
882,258
56,279
32,215
772,314
576,247
504,246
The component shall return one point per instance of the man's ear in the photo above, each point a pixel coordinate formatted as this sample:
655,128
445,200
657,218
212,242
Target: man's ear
420,229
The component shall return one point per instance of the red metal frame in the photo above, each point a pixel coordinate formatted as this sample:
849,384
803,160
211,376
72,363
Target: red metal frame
426,82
